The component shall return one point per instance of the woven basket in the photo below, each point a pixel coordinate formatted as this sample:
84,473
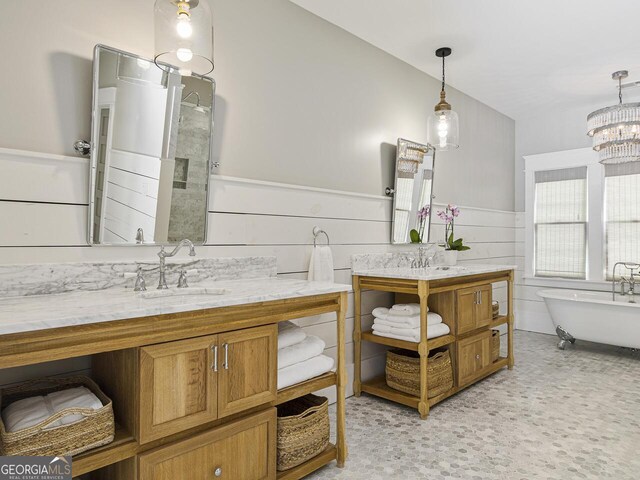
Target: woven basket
403,372
96,429
303,430
495,308
495,345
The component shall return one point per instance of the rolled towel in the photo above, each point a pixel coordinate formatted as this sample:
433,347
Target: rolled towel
31,411
410,308
302,371
289,334
405,322
310,347
321,264
432,332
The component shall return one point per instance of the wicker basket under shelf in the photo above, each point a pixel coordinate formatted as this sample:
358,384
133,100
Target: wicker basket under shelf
96,429
303,430
403,372
495,308
495,345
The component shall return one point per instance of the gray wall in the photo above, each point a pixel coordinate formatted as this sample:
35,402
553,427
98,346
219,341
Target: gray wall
299,100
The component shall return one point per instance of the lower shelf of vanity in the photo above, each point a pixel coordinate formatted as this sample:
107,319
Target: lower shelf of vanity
329,455
378,387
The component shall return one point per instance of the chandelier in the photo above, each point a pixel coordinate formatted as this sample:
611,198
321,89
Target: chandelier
616,130
442,125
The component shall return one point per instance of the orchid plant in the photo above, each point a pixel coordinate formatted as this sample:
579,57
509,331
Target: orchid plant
417,235
448,216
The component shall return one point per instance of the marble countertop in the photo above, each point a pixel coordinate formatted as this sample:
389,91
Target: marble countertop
41,312
431,273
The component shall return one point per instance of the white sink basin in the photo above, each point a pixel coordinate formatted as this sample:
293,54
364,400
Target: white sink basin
181,292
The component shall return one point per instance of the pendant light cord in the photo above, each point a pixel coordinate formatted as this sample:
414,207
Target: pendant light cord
620,89
443,75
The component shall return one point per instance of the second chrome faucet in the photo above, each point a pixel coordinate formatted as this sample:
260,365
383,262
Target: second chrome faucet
162,282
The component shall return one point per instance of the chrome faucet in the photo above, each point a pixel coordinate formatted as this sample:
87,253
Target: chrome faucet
425,257
162,282
631,280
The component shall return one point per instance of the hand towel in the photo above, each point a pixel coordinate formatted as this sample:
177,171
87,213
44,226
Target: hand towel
310,347
410,308
403,321
289,334
396,313
432,332
321,264
31,411
302,371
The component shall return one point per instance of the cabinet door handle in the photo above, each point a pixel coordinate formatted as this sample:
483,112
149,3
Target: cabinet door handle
225,365
479,297
478,357
217,472
214,349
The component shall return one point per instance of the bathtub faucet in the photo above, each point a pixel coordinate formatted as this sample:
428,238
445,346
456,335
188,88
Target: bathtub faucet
630,281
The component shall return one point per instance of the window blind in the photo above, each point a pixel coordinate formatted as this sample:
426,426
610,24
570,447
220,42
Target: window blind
622,214
560,218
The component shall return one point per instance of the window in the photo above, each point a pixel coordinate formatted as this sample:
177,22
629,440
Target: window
622,214
560,223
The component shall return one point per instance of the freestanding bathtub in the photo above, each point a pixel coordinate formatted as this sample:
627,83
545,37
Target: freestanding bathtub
594,316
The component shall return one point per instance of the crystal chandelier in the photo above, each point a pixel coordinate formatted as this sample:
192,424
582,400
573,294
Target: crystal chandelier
616,130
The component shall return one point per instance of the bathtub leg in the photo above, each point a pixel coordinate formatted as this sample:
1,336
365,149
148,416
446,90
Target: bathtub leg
564,337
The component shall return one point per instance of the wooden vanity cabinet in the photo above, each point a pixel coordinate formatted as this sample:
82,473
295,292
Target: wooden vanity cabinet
187,383
178,386
473,357
244,449
473,308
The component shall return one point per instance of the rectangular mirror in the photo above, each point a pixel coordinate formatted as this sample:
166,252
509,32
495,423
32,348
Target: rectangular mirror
413,190
150,152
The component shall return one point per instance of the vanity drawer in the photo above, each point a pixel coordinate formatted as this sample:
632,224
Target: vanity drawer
244,449
474,356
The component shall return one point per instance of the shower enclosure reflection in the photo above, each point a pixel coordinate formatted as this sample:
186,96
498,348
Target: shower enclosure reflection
151,146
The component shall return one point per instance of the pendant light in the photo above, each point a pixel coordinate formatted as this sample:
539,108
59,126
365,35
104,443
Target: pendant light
442,125
184,36
616,130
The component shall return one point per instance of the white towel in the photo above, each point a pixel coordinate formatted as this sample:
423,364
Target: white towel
289,334
410,335
404,321
302,371
408,308
321,264
28,412
383,311
310,347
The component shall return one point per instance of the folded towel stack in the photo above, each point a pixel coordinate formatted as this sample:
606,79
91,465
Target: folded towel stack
300,356
31,411
402,322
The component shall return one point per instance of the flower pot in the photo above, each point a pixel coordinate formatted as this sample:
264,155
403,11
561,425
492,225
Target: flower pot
449,258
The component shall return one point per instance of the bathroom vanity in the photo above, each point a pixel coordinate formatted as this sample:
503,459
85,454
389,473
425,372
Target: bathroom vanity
462,295
192,376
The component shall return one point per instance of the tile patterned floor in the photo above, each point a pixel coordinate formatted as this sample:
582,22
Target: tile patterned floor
572,414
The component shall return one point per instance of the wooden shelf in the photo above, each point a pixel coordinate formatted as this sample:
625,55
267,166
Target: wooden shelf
432,343
295,473
123,446
499,321
378,387
317,383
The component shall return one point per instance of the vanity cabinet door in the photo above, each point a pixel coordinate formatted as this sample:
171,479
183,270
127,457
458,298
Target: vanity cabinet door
484,311
473,308
248,369
178,387
243,450
474,356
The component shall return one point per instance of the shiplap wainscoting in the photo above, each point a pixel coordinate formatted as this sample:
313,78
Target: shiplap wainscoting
246,217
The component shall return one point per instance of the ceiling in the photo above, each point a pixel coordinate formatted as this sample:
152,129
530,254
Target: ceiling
519,57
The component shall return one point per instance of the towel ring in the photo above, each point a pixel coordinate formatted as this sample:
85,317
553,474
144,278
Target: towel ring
317,231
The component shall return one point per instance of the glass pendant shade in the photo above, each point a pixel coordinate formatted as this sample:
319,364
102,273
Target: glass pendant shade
443,130
184,36
616,130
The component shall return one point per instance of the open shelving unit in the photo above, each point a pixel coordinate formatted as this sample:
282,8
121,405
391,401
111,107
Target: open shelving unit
462,302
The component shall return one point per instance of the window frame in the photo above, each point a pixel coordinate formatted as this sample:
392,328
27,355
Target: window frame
582,157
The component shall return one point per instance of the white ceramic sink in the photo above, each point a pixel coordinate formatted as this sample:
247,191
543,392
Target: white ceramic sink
181,292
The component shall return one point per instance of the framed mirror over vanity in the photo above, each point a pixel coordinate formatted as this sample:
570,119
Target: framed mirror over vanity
150,152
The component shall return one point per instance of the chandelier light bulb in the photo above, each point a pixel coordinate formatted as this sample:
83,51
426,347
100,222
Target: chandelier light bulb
184,55
183,27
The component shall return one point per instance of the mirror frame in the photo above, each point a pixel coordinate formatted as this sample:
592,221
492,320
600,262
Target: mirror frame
93,159
431,149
